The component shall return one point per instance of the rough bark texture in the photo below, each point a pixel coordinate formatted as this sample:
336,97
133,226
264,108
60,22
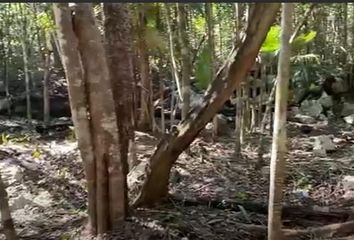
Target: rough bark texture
6,219
119,55
90,93
109,168
155,187
78,101
185,64
279,145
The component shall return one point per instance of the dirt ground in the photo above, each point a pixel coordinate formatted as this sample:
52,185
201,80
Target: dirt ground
214,195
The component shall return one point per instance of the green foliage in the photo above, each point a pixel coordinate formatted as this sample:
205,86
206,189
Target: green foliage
36,153
8,138
203,68
272,41
5,138
45,22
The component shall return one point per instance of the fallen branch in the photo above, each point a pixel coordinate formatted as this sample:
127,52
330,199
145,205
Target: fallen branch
330,230
309,213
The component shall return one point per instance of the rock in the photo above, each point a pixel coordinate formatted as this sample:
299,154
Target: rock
347,109
20,202
349,119
348,195
311,108
322,145
221,122
304,119
265,171
348,183
325,100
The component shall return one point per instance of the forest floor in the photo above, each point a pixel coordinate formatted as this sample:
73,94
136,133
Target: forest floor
214,194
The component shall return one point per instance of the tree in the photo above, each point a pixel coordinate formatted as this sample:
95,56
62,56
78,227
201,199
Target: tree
117,29
6,219
279,147
146,109
185,64
90,94
155,187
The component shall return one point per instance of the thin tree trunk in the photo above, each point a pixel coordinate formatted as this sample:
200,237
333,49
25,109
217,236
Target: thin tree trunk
155,187
279,145
211,42
46,97
185,66
145,121
24,46
6,219
303,21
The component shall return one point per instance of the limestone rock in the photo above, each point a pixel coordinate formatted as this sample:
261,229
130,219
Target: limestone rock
348,183
326,100
323,144
347,109
311,108
304,119
349,119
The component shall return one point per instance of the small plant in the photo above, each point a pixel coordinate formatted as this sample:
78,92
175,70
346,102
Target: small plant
5,138
36,153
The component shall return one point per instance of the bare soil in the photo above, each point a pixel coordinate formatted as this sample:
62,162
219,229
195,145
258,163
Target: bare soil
214,195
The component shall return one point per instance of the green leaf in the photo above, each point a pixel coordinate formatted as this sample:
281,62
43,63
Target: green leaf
202,70
272,41
307,37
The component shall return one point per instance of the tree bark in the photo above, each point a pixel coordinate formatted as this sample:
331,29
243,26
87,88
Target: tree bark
185,65
155,187
78,102
119,55
109,167
145,120
6,219
90,92
279,145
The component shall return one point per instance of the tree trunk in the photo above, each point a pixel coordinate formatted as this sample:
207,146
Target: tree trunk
119,54
78,101
90,93
6,219
46,97
145,120
155,187
24,46
111,185
279,145
185,65
211,43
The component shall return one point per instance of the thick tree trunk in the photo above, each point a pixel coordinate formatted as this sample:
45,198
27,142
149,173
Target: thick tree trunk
78,101
119,55
185,64
279,145
155,187
90,93
111,185
6,219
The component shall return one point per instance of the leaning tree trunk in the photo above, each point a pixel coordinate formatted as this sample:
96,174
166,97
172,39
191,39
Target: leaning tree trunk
279,148
90,93
6,219
155,187
186,64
